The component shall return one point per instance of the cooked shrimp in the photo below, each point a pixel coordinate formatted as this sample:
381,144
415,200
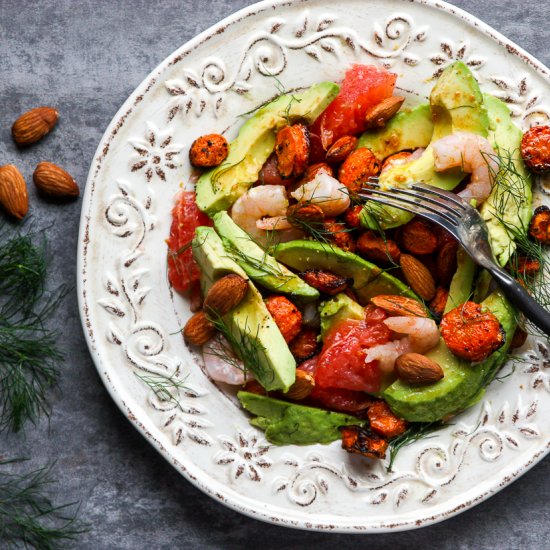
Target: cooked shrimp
326,192
221,363
474,155
263,208
421,336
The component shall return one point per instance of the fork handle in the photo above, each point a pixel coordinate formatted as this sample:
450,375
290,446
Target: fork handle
520,298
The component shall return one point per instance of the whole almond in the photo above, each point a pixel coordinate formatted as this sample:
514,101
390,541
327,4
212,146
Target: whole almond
400,305
305,214
341,148
53,181
302,387
13,191
225,294
198,330
418,276
378,115
33,125
414,368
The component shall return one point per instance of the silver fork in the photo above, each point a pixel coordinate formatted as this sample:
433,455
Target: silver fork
465,223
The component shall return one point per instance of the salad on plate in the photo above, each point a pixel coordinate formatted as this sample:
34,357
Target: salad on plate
336,318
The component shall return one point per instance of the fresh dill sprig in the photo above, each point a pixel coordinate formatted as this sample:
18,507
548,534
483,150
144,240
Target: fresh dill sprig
512,195
415,431
28,347
165,387
243,343
28,517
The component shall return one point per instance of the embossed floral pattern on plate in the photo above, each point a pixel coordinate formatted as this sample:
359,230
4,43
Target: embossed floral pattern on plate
132,319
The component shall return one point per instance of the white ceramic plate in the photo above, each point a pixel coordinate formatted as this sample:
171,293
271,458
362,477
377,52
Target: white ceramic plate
131,318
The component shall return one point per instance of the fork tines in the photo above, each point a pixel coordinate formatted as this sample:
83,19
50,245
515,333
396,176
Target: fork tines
425,200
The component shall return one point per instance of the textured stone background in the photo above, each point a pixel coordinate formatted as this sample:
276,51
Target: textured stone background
85,58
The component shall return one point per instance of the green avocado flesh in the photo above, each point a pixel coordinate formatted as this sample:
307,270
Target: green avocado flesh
408,129
337,309
261,345
368,279
507,210
457,106
463,382
261,267
290,424
219,188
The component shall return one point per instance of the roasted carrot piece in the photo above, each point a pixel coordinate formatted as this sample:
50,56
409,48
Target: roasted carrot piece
384,422
539,227
471,333
535,149
356,439
526,267
378,250
209,150
352,216
292,150
304,346
340,235
437,305
325,281
358,167
286,316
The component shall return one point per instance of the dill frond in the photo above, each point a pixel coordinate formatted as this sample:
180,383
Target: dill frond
416,431
165,387
28,517
28,347
245,344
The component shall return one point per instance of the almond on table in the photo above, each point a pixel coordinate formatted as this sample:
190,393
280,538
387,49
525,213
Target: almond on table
53,181
14,197
34,125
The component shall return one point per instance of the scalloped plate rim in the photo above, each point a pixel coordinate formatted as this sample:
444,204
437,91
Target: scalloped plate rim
220,491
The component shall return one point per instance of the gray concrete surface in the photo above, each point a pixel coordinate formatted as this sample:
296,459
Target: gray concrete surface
86,57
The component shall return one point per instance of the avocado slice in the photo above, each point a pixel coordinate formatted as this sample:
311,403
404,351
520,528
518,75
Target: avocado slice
460,290
463,383
218,188
260,266
290,424
507,210
339,308
457,105
368,279
261,345
408,129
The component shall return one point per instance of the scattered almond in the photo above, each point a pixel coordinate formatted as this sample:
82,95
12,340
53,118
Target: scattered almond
33,125
378,115
13,191
302,387
414,368
226,294
418,276
400,305
198,330
53,181
341,148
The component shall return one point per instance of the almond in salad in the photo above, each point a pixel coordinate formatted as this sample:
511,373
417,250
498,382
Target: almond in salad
414,368
225,294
